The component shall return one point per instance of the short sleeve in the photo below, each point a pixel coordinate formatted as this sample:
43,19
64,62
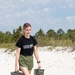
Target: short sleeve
19,42
34,41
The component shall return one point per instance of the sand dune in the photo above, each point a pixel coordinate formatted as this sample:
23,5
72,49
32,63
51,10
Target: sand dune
60,61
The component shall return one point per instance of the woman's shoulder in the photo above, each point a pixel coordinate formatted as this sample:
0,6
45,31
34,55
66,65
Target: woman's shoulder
34,40
21,37
32,37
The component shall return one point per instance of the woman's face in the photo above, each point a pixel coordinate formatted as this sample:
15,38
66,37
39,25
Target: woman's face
27,30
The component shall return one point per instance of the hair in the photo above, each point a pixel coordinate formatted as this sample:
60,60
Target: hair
25,26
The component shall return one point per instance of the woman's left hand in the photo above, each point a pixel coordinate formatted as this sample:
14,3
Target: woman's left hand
39,65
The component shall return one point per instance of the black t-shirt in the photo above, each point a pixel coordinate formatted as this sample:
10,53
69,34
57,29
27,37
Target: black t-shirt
26,45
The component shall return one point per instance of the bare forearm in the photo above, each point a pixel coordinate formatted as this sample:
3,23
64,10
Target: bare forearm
36,54
17,59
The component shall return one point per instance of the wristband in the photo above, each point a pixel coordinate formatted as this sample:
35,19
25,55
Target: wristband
38,62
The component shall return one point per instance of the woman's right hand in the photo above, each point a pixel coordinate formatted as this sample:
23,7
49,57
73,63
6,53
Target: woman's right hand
17,67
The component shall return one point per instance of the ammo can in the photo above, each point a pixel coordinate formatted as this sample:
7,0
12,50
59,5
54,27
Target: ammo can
38,71
16,73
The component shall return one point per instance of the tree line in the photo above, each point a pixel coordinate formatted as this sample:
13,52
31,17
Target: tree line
44,39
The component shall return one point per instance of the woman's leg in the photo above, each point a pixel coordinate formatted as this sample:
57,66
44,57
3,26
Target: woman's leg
29,71
25,70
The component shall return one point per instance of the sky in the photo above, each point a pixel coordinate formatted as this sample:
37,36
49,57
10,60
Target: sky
44,14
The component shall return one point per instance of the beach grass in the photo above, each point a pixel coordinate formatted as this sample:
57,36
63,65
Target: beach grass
12,47
8,46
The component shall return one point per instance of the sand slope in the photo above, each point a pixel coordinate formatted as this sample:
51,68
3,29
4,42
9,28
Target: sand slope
54,62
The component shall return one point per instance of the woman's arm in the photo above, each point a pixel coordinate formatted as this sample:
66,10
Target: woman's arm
17,59
37,56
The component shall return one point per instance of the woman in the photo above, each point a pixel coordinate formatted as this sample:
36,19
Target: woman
26,46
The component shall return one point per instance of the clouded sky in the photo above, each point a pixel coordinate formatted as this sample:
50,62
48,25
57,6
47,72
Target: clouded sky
44,14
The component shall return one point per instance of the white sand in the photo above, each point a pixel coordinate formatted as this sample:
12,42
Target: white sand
53,62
